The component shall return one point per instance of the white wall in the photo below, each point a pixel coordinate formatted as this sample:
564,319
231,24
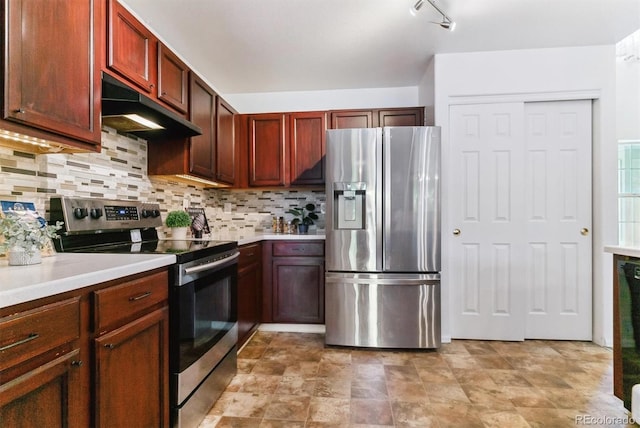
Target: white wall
547,74
267,102
426,93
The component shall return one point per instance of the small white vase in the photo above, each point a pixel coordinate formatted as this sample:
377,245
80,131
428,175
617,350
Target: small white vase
21,257
179,233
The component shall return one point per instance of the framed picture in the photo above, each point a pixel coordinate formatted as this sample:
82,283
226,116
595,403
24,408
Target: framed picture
199,224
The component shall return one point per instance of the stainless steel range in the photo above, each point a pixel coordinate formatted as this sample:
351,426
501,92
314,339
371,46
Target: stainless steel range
203,293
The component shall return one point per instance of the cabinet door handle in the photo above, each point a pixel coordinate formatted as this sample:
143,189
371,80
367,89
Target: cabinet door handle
76,363
140,297
32,336
19,111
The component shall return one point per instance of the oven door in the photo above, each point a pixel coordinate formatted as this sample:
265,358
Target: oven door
203,321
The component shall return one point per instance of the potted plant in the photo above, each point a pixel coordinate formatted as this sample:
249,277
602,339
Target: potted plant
304,217
25,237
179,222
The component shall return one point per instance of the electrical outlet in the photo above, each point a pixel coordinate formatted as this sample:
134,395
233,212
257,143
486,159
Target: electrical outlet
185,203
227,207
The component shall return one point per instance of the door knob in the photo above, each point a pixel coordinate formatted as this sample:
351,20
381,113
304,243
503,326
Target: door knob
456,232
584,231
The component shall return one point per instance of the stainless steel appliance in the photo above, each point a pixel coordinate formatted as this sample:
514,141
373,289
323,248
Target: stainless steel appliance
203,295
383,237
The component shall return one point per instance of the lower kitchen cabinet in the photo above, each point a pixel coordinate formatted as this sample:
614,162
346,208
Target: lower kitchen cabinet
132,367
40,367
249,290
293,286
97,356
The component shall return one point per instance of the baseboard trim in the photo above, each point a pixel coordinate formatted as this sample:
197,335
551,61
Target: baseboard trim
292,328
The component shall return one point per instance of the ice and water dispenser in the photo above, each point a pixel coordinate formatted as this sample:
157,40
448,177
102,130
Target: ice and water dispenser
349,202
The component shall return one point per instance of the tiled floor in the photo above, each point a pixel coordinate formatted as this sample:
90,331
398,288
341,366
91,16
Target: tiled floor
293,380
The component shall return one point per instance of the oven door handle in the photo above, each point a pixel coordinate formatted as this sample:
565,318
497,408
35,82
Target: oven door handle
212,265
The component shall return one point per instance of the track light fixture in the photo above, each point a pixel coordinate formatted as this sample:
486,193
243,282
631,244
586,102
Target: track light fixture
446,23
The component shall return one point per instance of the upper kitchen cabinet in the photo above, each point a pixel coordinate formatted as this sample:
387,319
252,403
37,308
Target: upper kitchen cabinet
401,117
207,159
173,79
343,119
268,151
51,86
226,160
131,49
285,149
307,144
135,55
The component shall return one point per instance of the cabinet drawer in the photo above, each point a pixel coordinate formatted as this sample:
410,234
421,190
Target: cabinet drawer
249,254
120,303
27,334
298,249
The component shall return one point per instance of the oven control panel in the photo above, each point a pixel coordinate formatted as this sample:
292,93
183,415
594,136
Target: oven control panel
89,215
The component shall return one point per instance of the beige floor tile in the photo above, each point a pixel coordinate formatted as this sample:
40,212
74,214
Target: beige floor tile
291,380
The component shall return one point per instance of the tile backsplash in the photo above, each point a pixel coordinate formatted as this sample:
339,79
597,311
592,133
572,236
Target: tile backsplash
119,171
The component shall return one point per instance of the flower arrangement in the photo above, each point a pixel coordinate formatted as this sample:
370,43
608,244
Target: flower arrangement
25,233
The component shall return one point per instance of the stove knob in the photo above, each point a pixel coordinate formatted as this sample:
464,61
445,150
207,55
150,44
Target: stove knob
147,213
155,213
80,213
95,213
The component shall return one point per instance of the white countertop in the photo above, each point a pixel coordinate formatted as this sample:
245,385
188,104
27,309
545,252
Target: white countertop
623,251
70,271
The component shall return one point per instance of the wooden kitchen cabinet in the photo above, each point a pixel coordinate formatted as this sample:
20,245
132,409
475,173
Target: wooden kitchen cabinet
173,79
286,149
401,117
226,159
249,290
268,151
52,87
83,357
132,49
293,284
307,147
132,353
40,367
135,55
343,119
211,155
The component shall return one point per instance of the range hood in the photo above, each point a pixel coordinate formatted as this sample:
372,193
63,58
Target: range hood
127,110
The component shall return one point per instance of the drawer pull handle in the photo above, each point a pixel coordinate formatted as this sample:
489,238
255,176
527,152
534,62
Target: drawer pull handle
76,363
251,254
32,336
140,297
109,345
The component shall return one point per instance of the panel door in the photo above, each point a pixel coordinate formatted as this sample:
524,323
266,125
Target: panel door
267,149
558,220
51,79
401,117
487,263
203,111
307,146
352,119
173,79
225,142
298,289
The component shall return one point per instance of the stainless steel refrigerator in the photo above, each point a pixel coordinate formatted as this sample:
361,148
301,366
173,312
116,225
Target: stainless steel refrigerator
382,281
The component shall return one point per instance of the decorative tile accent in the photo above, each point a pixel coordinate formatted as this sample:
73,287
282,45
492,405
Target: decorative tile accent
120,172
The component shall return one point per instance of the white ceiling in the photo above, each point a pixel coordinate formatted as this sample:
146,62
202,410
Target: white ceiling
246,46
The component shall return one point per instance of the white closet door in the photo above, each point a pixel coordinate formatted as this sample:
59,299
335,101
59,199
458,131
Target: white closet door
520,192
558,220
487,206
